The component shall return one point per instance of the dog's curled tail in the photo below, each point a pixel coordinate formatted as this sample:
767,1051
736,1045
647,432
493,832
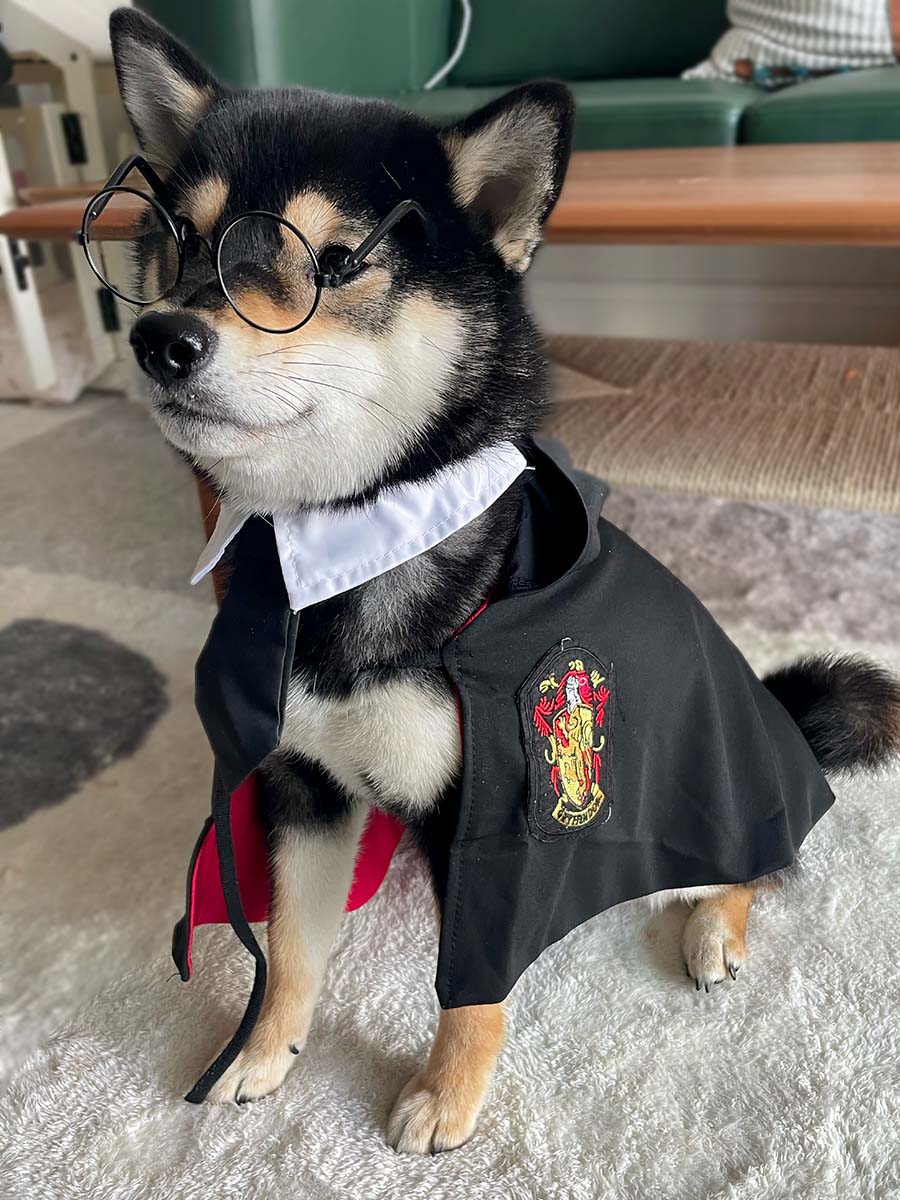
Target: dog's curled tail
847,708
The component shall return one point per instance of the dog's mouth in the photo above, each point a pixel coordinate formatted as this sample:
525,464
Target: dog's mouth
181,410
188,412
190,407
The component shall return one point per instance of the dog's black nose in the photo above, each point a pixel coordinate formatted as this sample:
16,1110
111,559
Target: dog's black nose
169,346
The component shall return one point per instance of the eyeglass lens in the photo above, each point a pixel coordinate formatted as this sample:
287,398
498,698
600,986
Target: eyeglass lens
142,267
268,272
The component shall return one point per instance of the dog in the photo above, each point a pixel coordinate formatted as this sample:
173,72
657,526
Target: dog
414,359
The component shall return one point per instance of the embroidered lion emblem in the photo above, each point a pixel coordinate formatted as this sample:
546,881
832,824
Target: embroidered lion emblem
570,715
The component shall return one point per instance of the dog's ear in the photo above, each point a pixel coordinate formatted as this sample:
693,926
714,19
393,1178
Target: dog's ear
508,161
164,89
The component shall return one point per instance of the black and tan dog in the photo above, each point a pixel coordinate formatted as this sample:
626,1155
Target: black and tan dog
416,357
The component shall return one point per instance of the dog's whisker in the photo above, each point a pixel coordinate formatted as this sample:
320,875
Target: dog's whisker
313,362
299,412
391,177
275,433
447,350
208,471
280,393
321,383
279,350
340,350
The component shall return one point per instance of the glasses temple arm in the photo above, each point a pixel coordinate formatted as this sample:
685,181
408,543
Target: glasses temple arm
134,162
403,209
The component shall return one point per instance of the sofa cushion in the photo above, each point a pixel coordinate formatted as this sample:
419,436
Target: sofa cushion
512,40
860,106
623,114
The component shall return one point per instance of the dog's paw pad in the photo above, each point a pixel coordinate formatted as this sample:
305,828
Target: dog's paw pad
425,1121
712,950
253,1074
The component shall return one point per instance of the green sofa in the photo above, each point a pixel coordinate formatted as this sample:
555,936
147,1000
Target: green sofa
622,58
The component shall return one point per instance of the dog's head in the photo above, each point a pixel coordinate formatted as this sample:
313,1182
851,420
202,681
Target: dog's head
422,355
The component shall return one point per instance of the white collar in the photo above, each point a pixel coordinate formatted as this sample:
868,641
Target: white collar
325,553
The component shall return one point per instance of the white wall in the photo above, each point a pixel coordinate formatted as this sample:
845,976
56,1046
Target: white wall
84,20
790,293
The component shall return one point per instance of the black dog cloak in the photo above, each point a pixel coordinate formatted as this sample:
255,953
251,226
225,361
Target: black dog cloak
615,743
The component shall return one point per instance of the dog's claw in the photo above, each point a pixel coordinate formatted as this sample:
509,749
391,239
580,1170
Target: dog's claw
712,949
706,988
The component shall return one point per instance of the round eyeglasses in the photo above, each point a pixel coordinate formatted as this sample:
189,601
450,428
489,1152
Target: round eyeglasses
266,268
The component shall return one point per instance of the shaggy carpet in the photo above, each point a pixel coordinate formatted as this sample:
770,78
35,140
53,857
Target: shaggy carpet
619,1081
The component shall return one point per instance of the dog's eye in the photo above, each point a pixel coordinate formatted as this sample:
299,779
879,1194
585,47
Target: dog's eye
334,259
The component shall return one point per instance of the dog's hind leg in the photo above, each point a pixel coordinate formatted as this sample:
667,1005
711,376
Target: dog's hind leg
312,867
714,940
438,1108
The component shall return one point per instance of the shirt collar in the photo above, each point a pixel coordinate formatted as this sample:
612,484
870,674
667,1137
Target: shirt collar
324,553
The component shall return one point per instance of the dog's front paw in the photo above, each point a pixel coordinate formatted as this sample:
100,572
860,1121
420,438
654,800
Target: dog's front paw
259,1069
713,950
426,1120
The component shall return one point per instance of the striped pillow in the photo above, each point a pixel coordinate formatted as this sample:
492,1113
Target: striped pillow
777,42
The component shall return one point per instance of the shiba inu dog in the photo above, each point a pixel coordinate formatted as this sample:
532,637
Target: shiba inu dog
302,364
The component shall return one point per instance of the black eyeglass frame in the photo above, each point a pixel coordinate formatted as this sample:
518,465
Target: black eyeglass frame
187,238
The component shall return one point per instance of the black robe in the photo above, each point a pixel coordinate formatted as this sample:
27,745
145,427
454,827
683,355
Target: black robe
615,741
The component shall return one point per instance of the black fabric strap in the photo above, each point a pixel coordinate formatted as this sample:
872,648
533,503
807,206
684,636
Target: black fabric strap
221,811
181,934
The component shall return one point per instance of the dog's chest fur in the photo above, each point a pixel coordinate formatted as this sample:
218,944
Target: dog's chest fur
394,743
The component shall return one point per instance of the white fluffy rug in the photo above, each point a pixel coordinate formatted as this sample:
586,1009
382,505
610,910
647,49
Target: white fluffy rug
619,1080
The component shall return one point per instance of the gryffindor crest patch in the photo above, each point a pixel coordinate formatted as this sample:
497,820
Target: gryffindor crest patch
563,707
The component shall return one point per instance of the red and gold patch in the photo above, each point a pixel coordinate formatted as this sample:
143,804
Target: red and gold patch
563,707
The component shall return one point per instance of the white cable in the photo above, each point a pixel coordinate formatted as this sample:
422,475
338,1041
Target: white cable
458,51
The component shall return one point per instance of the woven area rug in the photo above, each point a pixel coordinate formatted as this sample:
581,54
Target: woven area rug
751,420
619,1082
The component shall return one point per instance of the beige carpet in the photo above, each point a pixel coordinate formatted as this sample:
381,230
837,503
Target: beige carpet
751,421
